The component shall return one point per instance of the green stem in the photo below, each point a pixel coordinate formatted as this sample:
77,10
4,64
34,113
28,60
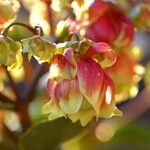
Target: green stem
5,32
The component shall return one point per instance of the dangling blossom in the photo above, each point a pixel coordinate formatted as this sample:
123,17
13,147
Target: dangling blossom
10,53
78,87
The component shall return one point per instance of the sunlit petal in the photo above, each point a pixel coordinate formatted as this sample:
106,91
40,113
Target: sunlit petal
103,53
108,107
69,96
90,76
63,67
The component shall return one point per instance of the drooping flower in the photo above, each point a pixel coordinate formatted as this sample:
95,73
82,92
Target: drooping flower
10,53
107,23
80,88
39,47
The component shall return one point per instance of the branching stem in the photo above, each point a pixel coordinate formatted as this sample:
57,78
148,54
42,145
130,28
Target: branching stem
33,30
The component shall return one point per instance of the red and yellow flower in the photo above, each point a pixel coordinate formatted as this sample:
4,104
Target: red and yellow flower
109,24
78,87
10,53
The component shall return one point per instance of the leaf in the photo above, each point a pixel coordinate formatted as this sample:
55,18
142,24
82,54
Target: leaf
48,135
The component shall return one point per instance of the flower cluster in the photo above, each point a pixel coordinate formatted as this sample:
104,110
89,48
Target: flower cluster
108,23
78,86
86,77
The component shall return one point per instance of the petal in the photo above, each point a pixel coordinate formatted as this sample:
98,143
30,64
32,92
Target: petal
66,95
18,62
103,53
90,76
97,9
107,108
70,98
47,108
52,109
83,115
63,67
51,85
4,48
10,53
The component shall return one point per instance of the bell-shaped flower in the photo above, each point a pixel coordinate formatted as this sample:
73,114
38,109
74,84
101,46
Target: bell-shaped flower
109,24
80,89
10,53
39,47
106,22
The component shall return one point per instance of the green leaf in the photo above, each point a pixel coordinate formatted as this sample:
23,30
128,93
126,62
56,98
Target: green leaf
48,135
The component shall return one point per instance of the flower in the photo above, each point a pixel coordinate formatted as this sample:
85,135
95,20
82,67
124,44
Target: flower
80,88
109,25
10,53
39,47
106,22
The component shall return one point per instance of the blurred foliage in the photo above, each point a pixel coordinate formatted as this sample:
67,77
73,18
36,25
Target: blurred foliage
6,143
48,135
134,136
35,110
